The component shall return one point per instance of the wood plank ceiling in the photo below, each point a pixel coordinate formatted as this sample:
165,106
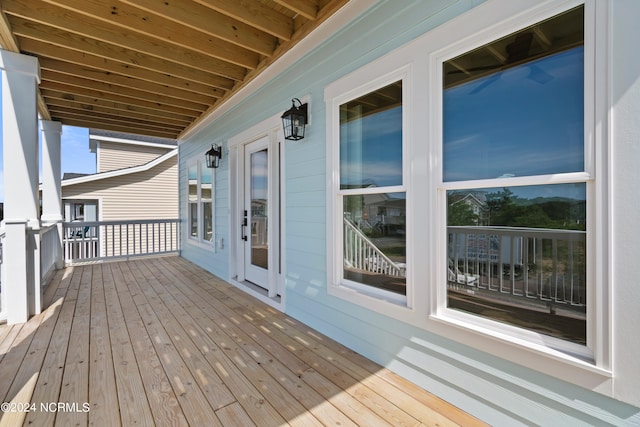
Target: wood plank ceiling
151,67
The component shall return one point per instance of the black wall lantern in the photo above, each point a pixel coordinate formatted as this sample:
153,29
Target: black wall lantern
213,156
294,120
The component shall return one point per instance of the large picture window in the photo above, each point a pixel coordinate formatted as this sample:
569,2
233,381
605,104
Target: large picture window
200,202
513,117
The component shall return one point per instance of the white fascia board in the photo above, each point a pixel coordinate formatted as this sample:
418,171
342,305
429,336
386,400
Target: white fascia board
130,141
333,24
120,172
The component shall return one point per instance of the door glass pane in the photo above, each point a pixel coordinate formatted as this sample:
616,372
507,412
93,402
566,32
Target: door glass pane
259,205
517,255
371,139
515,107
375,244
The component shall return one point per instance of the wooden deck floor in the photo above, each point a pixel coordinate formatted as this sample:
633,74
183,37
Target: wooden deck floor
163,342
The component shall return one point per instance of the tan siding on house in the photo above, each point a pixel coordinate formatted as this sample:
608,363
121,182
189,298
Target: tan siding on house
151,194
114,155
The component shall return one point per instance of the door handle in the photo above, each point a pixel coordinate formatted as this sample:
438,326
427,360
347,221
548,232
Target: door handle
243,236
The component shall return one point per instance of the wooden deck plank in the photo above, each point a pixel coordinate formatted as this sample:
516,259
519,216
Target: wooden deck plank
193,402
385,405
254,403
260,380
103,394
277,361
145,342
234,415
132,400
75,380
165,408
333,384
215,390
47,388
7,335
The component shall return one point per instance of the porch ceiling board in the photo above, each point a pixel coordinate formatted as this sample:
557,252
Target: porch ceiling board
162,342
131,64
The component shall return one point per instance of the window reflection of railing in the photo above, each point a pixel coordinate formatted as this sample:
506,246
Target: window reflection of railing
361,254
85,241
520,266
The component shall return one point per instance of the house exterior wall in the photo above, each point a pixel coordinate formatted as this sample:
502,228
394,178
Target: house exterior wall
113,155
497,390
133,196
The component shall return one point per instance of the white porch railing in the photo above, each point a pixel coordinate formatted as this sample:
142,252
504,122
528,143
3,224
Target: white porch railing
50,256
100,240
360,253
541,266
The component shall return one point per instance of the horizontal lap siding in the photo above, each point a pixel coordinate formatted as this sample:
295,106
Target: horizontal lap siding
113,156
151,194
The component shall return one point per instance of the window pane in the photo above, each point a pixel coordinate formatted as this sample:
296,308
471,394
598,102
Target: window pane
371,139
517,255
375,240
207,226
515,107
193,182
193,219
205,182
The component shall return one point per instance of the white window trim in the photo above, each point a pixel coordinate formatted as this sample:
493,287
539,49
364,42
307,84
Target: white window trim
590,367
595,356
359,83
198,240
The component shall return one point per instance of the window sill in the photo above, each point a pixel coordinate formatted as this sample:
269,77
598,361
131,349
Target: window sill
388,304
575,369
201,244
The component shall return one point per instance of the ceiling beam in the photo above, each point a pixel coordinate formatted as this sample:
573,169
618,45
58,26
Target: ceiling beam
80,82
255,14
9,42
98,124
114,97
121,15
65,21
43,33
211,22
70,105
305,8
83,59
128,83
60,93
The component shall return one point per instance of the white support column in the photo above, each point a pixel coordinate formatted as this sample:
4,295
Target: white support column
51,171
51,183
20,77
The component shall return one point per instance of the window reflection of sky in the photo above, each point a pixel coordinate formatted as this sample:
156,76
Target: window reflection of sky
371,150
527,120
259,175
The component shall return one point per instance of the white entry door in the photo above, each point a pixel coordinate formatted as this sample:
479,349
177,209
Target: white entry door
257,213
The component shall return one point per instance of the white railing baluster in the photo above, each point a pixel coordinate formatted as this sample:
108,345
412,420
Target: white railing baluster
360,253
119,239
555,278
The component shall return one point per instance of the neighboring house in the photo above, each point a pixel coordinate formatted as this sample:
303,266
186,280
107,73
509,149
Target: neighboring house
429,99
136,178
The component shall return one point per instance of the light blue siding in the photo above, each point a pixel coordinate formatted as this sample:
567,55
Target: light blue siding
495,390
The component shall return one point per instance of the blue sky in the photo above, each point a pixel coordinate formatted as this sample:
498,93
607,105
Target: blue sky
526,120
75,152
